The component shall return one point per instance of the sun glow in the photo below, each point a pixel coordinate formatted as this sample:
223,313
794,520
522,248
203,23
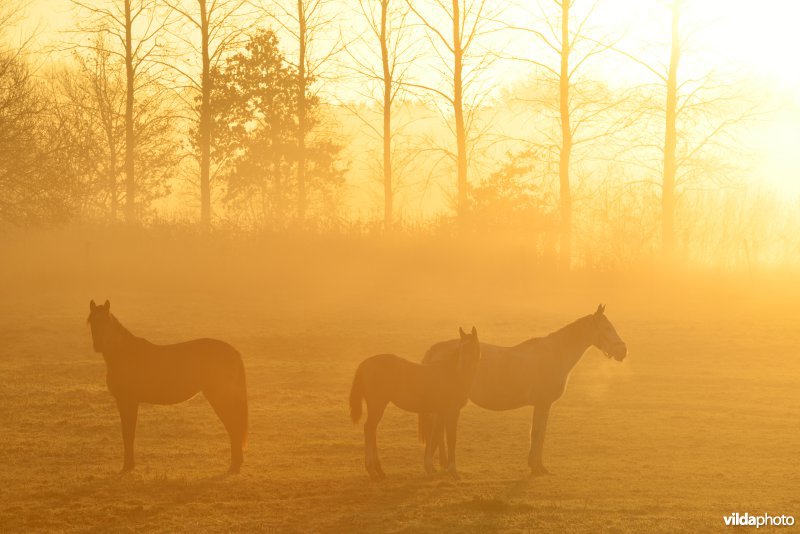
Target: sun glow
761,40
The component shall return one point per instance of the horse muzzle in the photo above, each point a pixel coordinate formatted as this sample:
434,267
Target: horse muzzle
619,352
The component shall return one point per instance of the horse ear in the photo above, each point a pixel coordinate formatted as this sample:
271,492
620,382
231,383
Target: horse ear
107,305
461,332
474,331
600,309
92,305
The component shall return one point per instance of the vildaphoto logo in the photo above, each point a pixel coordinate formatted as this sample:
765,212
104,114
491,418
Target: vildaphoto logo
765,520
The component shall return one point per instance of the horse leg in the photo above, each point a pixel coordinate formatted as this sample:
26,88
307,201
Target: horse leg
232,412
433,441
375,411
128,412
437,447
538,427
451,424
442,452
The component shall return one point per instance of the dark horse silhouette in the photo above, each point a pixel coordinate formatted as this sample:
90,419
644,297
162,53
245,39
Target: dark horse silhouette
142,372
533,373
440,388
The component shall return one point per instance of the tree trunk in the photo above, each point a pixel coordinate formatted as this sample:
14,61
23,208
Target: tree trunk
112,177
301,113
278,194
387,123
205,122
130,185
107,115
458,109
565,195
670,143
204,140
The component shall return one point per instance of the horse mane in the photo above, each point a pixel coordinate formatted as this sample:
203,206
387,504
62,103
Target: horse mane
118,326
556,333
115,324
571,326
450,357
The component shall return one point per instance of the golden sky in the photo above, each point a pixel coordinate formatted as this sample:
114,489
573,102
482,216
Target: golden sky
758,40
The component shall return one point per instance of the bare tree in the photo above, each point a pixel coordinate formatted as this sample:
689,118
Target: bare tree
221,25
32,187
670,136
459,50
383,73
26,187
583,107
135,25
93,113
700,113
90,109
388,97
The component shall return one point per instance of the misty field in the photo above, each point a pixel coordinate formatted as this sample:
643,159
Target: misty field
699,421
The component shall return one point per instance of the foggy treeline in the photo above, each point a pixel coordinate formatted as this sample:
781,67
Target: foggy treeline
537,123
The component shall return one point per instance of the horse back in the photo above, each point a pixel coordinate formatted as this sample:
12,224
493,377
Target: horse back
509,377
411,386
167,374
203,349
523,375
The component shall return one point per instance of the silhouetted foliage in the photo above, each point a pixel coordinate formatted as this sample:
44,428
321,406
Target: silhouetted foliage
254,106
34,191
215,28
516,196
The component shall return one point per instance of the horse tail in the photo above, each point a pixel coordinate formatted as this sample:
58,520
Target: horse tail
241,385
424,426
357,395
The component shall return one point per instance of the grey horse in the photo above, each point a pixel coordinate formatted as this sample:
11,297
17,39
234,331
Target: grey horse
532,373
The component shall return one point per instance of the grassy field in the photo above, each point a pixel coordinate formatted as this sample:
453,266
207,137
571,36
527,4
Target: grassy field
700,421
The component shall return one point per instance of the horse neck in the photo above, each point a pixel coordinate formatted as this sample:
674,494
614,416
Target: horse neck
117,338
574,339
464,377
464,374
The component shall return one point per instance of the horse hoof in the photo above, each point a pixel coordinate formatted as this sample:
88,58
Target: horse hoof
375,473
454,474
539,471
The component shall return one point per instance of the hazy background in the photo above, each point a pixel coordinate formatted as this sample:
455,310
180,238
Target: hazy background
734,74
254,205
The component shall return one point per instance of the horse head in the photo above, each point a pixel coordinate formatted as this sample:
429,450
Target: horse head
469,350
607,340
99,320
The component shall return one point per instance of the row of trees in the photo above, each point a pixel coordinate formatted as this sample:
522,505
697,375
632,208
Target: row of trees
695,110
155,84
